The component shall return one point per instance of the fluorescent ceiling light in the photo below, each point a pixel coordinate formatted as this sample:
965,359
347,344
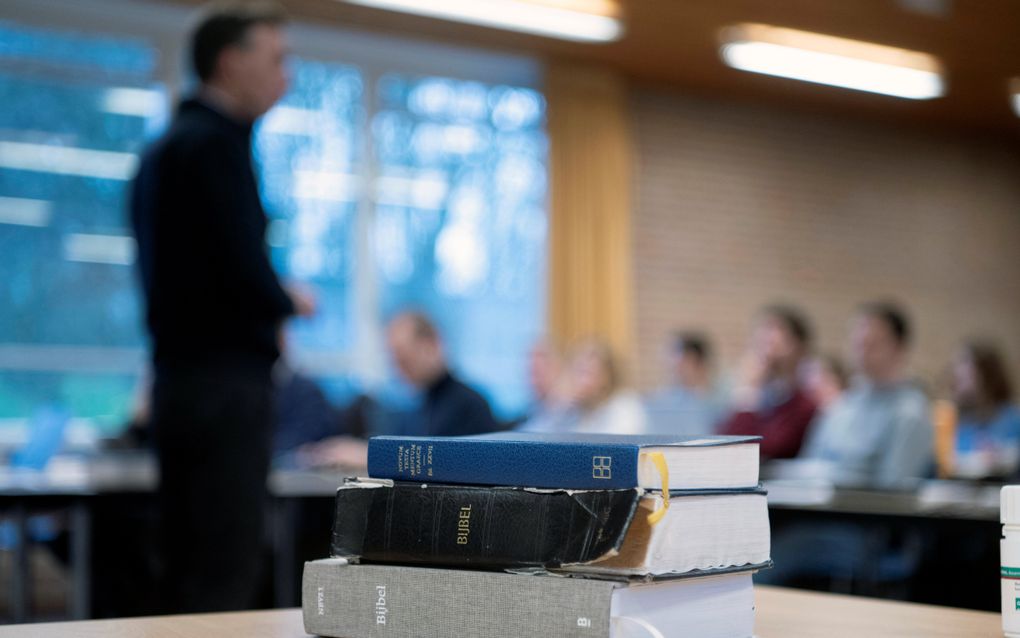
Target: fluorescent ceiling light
328,186
49,358
133,102
577,20
25,212
67,160
118,250
289,120
824,59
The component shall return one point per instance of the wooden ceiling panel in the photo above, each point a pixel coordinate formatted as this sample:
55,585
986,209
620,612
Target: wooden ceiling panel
674,43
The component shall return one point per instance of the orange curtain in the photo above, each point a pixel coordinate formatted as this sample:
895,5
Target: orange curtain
590,164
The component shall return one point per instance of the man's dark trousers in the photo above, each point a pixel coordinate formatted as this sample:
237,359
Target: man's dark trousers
213,433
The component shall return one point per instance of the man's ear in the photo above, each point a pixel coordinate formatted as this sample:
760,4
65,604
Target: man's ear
226,63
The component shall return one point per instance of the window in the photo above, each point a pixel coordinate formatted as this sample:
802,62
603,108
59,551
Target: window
77,110
387,186
460,226
308,150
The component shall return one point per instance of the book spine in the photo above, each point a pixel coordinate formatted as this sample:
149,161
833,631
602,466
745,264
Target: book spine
469,526
377,601
588,466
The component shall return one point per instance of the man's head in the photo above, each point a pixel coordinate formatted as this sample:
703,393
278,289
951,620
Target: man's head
416,348
690,358
879,341
981,380
240,49
780,339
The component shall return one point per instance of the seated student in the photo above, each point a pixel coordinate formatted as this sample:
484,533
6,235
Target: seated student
988,429
825,379
547,377
595,401
303,413
769,400
688,404
448,406
879,434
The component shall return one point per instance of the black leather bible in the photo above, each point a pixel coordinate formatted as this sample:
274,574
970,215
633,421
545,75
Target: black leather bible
505,527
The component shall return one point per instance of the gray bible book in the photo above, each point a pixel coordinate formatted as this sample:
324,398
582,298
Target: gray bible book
342,600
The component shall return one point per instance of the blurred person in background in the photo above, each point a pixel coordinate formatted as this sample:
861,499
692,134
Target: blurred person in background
547,378
988,426
879,433
448,406
303,413
689,403
596,401
768,398
825,380
213,309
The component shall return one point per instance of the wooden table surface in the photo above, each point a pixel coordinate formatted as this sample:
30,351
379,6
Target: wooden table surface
788,613
782,613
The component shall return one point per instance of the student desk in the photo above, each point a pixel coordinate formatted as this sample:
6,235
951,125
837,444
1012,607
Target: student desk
945,536
931,500
781,614
128,481
105,483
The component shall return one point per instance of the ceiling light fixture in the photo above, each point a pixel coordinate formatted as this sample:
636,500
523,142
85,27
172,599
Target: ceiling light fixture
577,20
133,101
67,160
826,59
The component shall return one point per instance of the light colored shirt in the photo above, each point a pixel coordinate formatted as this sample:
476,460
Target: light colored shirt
878,436
622,413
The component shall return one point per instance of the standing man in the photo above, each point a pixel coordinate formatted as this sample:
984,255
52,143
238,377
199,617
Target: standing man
214,306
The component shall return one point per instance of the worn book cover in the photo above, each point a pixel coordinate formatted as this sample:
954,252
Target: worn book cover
622,531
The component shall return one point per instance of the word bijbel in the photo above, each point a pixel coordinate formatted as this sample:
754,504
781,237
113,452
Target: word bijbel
464,525
380,605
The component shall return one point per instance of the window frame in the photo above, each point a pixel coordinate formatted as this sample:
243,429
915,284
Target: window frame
165,27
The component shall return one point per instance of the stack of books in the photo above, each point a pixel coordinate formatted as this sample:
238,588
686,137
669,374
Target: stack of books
517,535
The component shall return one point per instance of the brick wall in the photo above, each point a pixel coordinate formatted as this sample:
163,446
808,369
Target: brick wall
739,205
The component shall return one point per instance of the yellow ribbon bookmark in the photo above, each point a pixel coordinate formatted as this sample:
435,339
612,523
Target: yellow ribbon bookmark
659,459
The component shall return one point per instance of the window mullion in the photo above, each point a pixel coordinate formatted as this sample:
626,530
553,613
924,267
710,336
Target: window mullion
369,356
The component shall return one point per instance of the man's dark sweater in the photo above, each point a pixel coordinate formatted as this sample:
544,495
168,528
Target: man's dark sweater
213,298
452,408
783,427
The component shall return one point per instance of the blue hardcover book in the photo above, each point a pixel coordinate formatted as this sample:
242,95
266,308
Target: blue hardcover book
569,461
